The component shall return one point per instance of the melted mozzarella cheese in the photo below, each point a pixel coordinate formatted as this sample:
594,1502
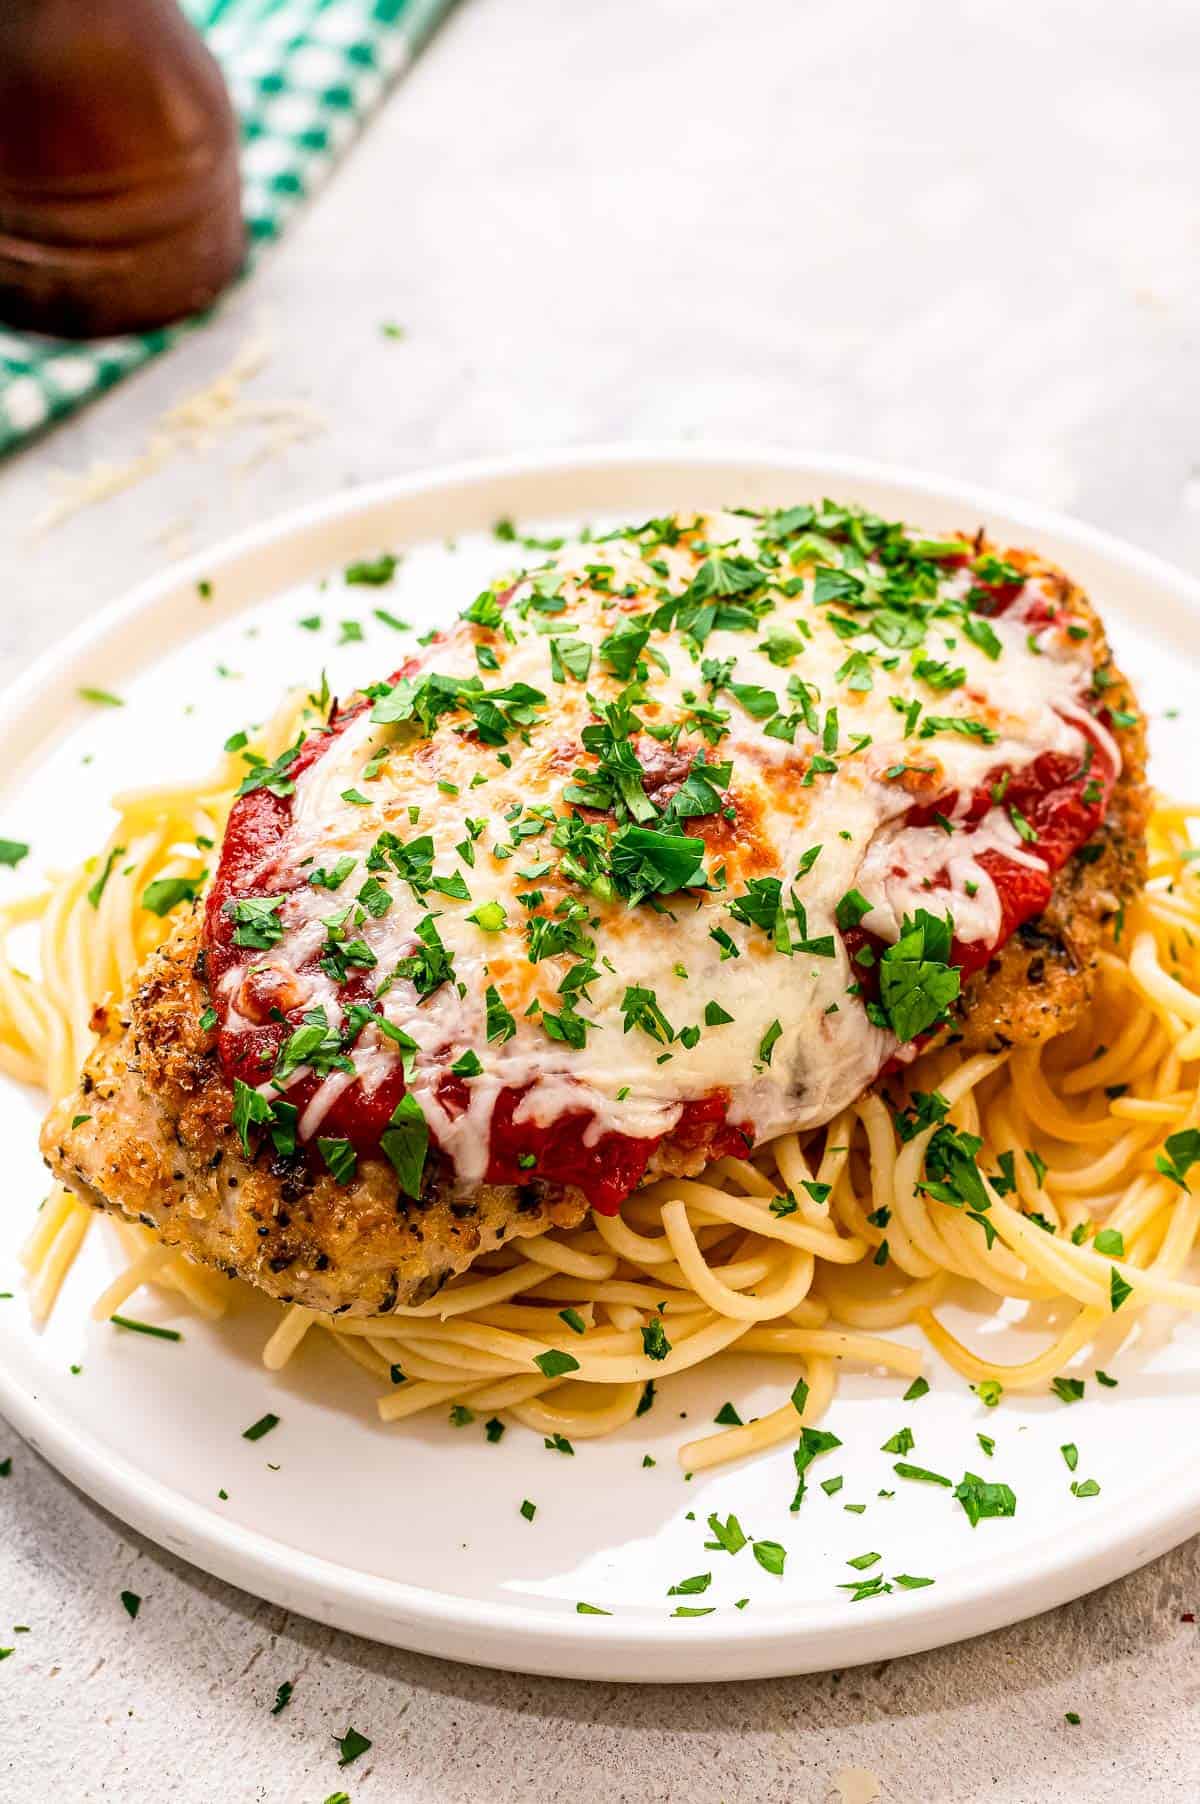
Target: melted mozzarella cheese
826,1050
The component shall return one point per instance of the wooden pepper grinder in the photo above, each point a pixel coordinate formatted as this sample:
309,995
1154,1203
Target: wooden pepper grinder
120,203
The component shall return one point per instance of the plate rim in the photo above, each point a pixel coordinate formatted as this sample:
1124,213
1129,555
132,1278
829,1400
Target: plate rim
515,1635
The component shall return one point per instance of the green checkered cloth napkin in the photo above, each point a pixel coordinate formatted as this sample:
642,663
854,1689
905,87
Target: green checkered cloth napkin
304,74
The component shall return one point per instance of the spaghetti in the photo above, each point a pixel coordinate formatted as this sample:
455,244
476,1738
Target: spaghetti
1048,1174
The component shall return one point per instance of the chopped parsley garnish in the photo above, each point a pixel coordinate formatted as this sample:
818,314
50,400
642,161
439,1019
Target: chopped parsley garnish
922,1111
149,1328
341,1160
500,1024
98,887
980,633
1180,1153
428,965
351,1745
166,893
570,657
691,1587
980,1499
864,1588
264,1425
489,917
957,723
645,861
921,1474
372,573
758,702
770,1556
851,909
952,1172
315,1044
405,1142
640,1008
624,646
813,1441
728,1535
274,777
1024,828
256,921
938,674
917,984
374,897
334,877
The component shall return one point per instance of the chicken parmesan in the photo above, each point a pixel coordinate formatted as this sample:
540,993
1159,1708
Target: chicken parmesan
678,841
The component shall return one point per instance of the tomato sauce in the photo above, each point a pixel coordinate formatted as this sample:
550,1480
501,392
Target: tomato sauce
609,1169
1049,794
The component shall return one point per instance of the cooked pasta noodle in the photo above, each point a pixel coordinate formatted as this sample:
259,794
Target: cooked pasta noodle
807,1253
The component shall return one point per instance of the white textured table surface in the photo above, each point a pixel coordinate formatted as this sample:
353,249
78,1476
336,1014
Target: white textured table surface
963,237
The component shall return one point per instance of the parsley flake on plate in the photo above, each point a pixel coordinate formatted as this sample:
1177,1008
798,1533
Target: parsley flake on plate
351,1745
980,1499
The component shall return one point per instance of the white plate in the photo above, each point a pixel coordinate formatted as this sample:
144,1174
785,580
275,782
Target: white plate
413,1534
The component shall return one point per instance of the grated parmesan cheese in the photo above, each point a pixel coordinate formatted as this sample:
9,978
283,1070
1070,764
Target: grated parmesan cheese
196,423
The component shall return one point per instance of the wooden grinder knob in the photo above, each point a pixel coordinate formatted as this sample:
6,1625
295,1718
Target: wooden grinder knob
120,203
